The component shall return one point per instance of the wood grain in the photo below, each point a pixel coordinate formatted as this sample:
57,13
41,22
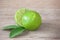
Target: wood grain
48,9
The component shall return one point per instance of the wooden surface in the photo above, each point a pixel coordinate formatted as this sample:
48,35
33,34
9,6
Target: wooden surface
48,9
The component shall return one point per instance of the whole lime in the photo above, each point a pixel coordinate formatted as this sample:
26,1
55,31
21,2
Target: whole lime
30,20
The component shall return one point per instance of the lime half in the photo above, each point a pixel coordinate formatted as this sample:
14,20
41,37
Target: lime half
29,19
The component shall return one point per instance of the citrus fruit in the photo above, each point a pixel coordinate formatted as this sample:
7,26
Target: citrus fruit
30,20
26,19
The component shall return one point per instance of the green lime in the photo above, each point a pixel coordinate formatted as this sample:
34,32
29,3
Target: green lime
30,20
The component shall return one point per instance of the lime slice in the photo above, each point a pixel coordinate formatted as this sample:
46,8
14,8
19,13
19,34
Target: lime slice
18,15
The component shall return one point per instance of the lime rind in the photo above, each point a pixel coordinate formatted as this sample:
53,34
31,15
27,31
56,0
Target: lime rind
31,20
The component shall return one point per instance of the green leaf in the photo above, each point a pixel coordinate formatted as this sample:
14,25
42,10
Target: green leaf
16,32
9,27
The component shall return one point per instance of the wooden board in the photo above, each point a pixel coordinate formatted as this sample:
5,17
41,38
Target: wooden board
48,9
